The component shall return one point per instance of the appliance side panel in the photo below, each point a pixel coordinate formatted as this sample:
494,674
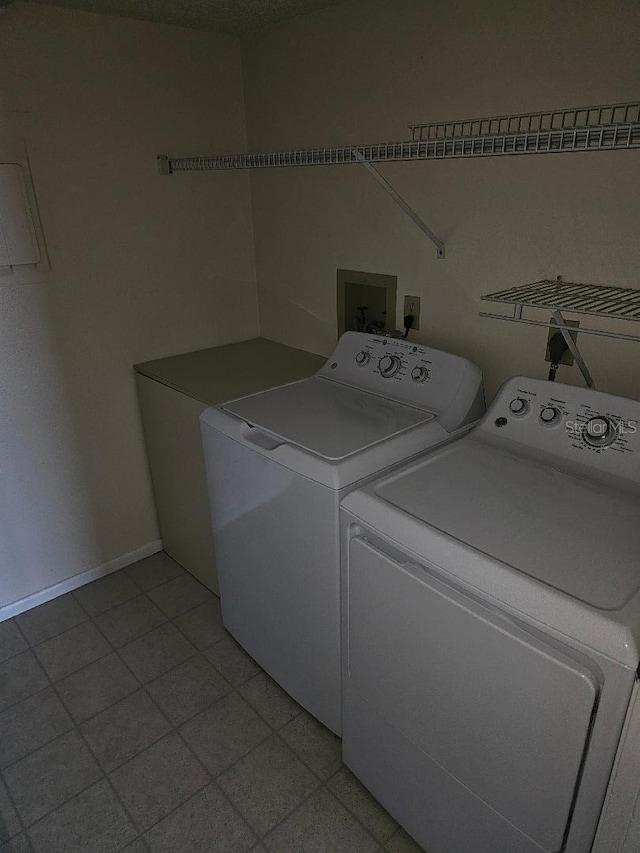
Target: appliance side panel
276,545
174,447
619,828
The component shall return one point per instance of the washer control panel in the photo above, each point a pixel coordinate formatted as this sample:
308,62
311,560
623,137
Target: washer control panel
404,371
594,428
390,358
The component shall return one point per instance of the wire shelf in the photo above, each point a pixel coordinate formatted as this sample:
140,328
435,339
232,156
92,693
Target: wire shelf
582,118
598,128
619,303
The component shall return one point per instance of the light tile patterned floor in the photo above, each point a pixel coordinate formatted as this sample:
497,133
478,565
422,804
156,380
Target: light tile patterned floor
131,721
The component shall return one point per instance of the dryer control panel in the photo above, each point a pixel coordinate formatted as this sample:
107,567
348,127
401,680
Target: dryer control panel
579,425
409,373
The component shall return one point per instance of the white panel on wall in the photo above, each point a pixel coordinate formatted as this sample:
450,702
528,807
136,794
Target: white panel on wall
18,243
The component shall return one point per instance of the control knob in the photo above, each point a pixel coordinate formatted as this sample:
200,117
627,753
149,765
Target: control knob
362,358
389,365
549,415
599,432
420,374
519,406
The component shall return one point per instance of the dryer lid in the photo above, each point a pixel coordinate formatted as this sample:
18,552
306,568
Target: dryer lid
326,418
576,535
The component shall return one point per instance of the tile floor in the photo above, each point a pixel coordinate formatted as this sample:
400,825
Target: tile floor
131,721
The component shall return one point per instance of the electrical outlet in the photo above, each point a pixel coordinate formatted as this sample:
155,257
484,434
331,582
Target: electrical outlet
567,355
412,306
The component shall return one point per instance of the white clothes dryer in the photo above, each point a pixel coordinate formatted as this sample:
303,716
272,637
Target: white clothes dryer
491,633
278,463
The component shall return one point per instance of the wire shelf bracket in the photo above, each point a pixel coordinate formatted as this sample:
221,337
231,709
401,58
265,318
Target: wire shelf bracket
558,296
403,205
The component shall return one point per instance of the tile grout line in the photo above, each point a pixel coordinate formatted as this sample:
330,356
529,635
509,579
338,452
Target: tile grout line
305,800
31,645
31,695
273,732
113,650
76,727
26,826
79,723
354,815
91,617
23,826
173,728
47,742
212,781
322,783
51,685
125,569
21,632
24,651
122,571
75,671
105,774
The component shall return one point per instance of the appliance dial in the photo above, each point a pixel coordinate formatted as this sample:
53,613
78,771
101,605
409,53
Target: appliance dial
389,365
420,374
519,406
599,432
362,358
549,415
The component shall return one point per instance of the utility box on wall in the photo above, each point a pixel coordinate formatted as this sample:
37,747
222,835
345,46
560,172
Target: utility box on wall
18,241
366,302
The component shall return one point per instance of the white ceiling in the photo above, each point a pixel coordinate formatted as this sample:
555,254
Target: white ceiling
224,16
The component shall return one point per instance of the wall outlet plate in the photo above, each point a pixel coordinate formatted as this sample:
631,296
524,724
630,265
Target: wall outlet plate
567,355
412,306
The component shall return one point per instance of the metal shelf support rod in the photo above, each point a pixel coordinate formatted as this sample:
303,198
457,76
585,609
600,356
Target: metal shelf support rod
386,186
562,326
599,332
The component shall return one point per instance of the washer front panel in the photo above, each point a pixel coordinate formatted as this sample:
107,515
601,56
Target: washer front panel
506,716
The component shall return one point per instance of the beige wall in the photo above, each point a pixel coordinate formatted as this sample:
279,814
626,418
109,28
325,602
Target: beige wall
141,267
144,266
361,72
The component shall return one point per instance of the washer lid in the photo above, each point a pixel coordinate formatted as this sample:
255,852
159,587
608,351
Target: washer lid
325,417
574,534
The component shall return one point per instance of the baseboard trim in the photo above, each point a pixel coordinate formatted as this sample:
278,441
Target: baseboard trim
69,584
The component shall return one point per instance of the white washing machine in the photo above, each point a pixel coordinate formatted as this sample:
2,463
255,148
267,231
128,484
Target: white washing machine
278,463
491,629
